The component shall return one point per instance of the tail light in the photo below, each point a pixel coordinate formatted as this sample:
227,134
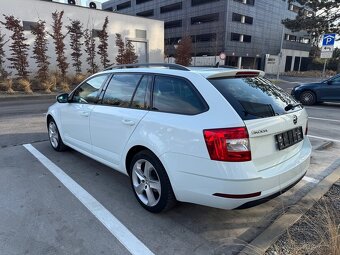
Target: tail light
228,144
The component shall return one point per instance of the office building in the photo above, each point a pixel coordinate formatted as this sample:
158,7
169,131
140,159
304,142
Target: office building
249,32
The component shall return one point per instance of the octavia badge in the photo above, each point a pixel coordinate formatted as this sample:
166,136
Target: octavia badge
295,119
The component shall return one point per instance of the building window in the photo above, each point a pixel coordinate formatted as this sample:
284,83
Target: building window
236,17
291,38
240,38
205,19
142,1
172,24
147,13
247,38
304,40
28,25
171,7
199,2
204,38
294,8
109,9
248,2
242,18
235,37
123,6
140,33
248,20
172,40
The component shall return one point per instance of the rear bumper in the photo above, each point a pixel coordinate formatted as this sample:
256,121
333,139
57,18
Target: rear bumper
195,180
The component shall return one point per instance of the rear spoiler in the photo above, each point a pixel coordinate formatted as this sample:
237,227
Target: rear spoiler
237,74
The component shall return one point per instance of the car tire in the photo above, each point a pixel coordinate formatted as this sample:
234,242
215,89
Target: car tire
150,183
307,98
54,136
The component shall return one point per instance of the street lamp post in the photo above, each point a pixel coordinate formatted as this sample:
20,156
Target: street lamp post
280,54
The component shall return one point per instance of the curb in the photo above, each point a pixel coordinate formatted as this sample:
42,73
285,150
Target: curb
324,146
25,97
269,236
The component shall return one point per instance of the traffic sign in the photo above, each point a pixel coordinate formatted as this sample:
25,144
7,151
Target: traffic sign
326,54
327,48
222,56
328,40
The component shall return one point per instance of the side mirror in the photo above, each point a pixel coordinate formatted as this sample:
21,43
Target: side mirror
330,82
62,98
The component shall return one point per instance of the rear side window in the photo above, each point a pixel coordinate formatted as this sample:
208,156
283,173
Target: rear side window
120,90
254,98
176,95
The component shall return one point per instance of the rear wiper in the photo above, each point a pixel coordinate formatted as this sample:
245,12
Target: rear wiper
292,106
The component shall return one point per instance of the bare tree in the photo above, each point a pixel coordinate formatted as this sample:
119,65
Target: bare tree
130,53
76,33
90,49
59,44
19,47
40,50
121,49
3,73
103,44
183,51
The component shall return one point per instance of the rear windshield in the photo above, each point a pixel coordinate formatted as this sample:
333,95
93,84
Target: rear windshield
254,98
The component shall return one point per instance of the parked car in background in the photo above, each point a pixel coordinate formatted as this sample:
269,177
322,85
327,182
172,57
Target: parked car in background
218,137
318,92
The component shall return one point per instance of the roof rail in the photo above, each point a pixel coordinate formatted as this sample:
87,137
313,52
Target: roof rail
138,65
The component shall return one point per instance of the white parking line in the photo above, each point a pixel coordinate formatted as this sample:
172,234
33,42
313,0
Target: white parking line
310,179
314,118
322,108
131,242
324,138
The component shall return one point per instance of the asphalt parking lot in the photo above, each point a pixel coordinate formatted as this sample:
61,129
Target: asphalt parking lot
66,203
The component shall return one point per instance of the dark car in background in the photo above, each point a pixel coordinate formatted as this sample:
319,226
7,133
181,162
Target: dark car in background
318,92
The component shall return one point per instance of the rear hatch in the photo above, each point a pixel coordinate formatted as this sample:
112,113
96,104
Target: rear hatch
276,123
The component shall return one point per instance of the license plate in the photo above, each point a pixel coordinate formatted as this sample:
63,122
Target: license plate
289,138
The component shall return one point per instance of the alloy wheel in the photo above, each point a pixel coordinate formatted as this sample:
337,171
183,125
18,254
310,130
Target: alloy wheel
53,134
146,182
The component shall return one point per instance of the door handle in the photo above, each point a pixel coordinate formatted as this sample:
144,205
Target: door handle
85,114
128,122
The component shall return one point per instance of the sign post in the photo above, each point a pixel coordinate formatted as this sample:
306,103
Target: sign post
327,48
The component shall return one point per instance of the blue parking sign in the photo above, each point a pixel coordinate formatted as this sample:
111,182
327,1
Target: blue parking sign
328,39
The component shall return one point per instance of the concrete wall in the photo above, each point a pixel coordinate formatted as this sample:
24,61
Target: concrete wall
272,61
32,10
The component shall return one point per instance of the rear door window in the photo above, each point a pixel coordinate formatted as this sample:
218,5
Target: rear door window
176,95
120,89
141,97
254,98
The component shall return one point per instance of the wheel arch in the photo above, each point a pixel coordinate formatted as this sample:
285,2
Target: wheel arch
310,90
133,151
49,117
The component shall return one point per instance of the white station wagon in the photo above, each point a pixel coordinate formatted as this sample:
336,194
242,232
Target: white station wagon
224,138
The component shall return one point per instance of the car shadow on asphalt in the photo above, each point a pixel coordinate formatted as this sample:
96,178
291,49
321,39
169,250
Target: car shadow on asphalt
7,140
